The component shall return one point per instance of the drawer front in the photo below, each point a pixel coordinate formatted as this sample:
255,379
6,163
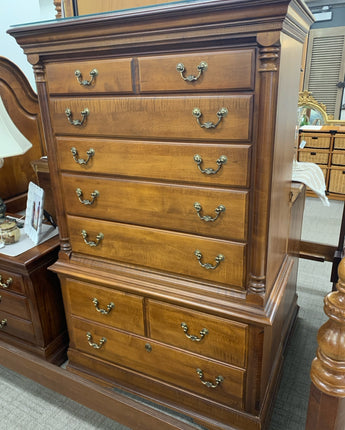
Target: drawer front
162,250
159,205
14,304
316,141
337,181
313,157
156,117
11,282
338,158
200,333
107,306
18,327
160,361
158,160
204,71
111,76
339,141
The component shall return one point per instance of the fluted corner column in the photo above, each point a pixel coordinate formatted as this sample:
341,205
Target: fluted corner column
327,399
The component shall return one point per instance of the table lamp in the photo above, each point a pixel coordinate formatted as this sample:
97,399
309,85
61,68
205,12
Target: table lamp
12,143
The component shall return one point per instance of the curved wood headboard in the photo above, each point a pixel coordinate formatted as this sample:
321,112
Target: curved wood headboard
22,105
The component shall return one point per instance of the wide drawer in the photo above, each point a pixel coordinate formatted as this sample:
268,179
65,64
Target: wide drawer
105,305
159,249
14,326
158,160
316,140
11,282
202,71
313,156
164,206
14,304
98,76
160,361
155,117
197,332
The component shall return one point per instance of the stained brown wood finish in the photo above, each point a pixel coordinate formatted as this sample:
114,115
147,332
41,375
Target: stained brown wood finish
150,161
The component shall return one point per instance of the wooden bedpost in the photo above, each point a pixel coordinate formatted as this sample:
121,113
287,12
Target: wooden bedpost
326,409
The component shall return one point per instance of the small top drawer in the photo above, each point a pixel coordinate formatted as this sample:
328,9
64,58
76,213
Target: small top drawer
107,306
315,140
224,70
99,76
11,282
200,333
339,141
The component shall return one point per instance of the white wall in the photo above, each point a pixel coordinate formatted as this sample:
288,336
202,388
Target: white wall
20,12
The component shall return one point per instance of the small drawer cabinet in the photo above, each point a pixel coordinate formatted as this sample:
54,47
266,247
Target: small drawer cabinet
171,167
31,310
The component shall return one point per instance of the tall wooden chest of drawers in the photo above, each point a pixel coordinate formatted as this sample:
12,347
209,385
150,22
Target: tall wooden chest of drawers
170,134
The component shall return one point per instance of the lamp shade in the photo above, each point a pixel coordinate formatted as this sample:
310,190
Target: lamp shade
12,141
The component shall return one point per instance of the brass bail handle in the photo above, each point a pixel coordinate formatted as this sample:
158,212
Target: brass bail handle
77,122
202,67
3,323
208,170
94,195
7,283
90,153
194,338
208,384
86,83
222,113
110,306
207,218
208,266
93,344
99,238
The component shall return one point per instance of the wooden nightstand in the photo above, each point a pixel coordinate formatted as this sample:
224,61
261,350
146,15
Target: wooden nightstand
31,311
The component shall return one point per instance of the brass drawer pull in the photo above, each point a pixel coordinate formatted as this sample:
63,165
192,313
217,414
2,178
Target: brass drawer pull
3,323
77,122
90,153
86,83
99,237
7,283
209,171
193,338
208,266
93,344
209,124
103,311
219,379
148,347
202,67
94,195
219,209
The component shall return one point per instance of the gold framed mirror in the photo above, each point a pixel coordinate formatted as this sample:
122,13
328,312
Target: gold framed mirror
312,112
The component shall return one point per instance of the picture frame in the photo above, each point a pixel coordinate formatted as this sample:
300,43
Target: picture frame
34,212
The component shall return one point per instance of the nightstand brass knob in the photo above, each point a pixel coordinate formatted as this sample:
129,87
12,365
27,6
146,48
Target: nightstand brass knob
219,209
219,379
90,153
86,83
209,171
202,67
208,266
103,311
93,344
5,284
222,113
91,243
77,122
193,338
3,323
94,196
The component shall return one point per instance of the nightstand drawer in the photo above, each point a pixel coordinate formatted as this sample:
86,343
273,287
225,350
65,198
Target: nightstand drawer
159,361
157,160
11,282
14,304
204,71
211,212
159,249
200,333
87,77
17,327
105,305
156,117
